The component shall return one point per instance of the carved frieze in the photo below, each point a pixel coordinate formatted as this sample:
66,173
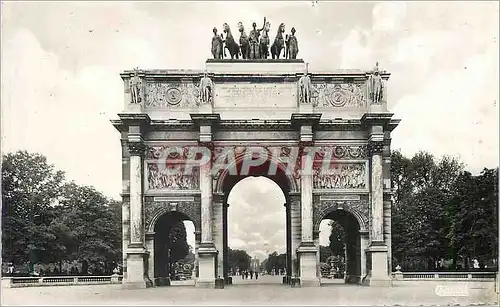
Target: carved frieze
172,95
338,95
340,176
342,152
359,208
170,152
154,209
173,176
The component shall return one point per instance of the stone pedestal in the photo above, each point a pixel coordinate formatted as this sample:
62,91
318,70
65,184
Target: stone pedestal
379,276
137,259
308,272
207,261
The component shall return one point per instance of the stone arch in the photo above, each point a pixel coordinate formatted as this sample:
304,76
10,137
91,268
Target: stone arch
356,208
157,209
222,175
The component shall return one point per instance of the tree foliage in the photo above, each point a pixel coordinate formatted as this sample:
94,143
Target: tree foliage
238,259
47,220
177,242
441,211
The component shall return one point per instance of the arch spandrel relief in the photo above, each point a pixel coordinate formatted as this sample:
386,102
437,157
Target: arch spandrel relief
358,208
154,209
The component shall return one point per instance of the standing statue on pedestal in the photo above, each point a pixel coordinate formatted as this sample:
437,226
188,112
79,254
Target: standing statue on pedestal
279,42
135,84
292,46
264,41
305,87
217,45
254,40
375,86
206,88
231,45
244,42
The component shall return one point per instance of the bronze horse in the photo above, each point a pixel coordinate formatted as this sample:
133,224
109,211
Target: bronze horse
230,44
244,42
279,42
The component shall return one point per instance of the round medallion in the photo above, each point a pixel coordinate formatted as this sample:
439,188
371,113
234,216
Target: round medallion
173,96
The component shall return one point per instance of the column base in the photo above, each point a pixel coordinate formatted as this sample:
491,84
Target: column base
137,257
207,257
379,275
377,281
308,265
205,283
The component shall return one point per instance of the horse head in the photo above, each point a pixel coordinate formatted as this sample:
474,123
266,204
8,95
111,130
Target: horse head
281,28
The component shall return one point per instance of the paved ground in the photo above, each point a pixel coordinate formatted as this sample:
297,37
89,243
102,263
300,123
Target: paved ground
265,291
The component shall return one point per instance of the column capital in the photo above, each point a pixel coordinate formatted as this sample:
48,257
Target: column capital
375,147
136,148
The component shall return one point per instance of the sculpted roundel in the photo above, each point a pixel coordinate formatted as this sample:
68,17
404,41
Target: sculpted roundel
173,96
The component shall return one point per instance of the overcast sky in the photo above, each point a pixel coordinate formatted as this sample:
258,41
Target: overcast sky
61,85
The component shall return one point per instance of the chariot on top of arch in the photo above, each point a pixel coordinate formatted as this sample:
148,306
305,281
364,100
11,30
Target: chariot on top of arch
256,45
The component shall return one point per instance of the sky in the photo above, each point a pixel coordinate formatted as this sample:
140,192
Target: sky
61,85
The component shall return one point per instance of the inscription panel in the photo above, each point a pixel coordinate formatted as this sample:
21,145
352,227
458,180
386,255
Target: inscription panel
246,95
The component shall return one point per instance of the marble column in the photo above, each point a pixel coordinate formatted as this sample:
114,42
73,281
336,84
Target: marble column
137,254
218,232
197,241
295,232
379,275
125,233
307,249
289,259
207,253
318,259
150,246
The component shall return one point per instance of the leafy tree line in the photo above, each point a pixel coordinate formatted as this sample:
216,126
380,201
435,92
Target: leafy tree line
46,219
440,211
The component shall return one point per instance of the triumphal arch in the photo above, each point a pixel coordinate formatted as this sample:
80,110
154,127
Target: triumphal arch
188,136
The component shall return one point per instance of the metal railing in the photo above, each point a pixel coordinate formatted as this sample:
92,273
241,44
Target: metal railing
17,282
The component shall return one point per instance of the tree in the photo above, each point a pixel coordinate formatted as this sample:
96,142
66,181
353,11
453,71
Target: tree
89,224
29,186
337,238
238,259
324,253
178,247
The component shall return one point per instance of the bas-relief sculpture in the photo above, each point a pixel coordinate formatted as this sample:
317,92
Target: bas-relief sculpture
360,208
340,176
338,95
179,94
154,209
161,179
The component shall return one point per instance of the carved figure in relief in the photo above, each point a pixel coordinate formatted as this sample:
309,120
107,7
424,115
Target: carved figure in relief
217,45
178,180
135,87
305,86
375,86
279,42
244,42
292,46
254,40
206,88
340,177
264,41
230,44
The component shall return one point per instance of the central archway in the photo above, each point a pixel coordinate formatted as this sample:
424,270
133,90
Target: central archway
273,171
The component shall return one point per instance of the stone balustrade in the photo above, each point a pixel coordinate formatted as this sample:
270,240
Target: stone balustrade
451,276
17,282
